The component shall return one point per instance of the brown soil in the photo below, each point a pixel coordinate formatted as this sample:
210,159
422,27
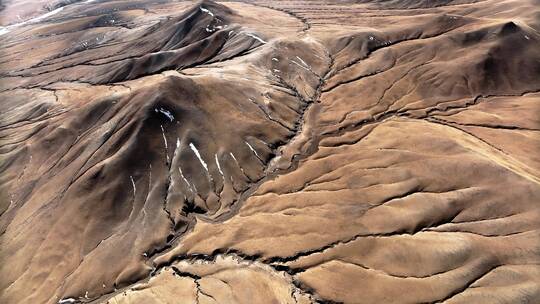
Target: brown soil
157,151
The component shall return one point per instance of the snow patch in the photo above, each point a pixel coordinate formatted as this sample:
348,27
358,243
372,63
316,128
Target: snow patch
204,10
194,149
133,184
44,16
165,141
237,164
67,301
164,137
3,30
6,29
232,155
166,113
212,28
185,179
303,67
303,62
218,165
264,142
256,37
253,150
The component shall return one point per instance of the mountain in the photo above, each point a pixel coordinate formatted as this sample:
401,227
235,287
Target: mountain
160,151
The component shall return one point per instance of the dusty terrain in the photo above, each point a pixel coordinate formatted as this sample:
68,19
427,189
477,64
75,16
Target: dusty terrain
159,151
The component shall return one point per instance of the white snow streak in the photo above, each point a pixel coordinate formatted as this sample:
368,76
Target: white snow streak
253,150
194,149
133,184
303,62
4,30
298,64
164,138
232,155
166,113
218,165
256,37
39,18
185,179
206,11
66,301
264,142
165,141
236,161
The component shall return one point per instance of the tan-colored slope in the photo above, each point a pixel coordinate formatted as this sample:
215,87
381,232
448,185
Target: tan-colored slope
226,279
391,178
271,152
124,166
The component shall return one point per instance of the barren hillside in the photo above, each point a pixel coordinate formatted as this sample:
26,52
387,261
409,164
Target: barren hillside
370,151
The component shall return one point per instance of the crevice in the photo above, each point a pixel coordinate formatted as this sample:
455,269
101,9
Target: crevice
451,125
490,126
305,21
357,78
416,37
404,231
466,286
268,116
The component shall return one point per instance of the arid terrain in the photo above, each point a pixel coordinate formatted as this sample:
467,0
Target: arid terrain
163,151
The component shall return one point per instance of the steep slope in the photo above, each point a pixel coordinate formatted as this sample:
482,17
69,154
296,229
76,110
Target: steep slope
270,151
